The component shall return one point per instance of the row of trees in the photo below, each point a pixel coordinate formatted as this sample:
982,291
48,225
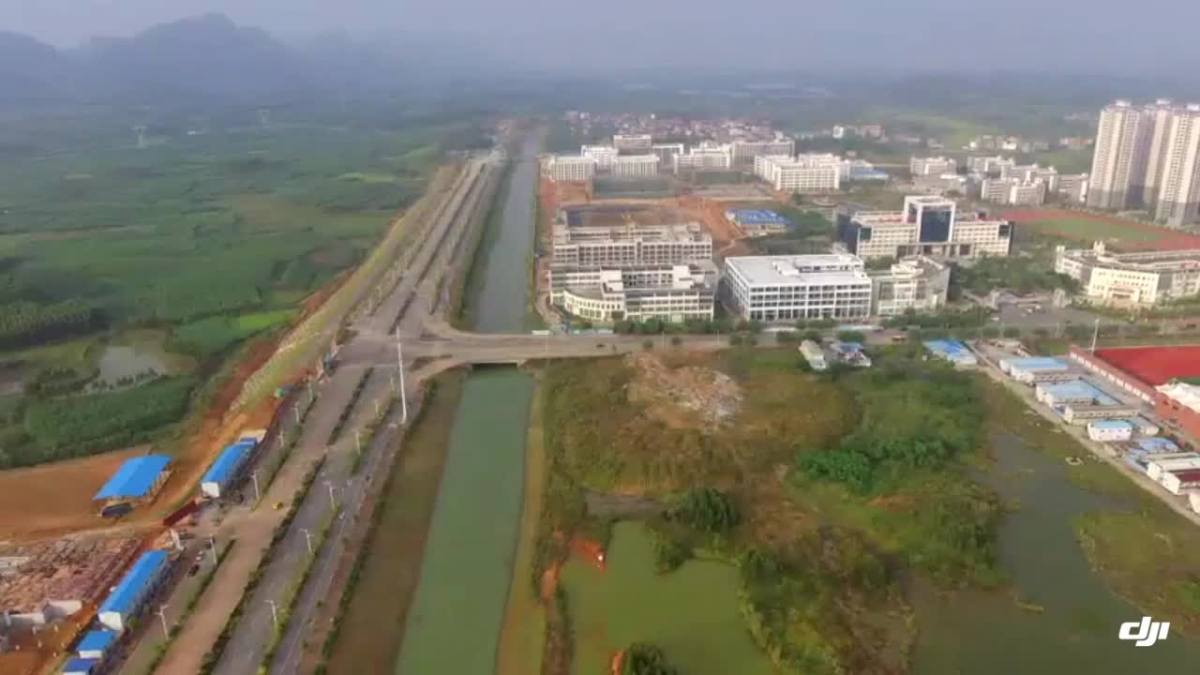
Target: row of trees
27,323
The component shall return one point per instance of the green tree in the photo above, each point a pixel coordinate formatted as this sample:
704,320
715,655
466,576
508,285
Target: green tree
646,659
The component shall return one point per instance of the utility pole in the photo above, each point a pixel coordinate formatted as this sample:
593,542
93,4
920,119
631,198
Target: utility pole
162,616
403,396
257,494
274,612
1095,335
212,549
307,539
332,501
296,410
357,442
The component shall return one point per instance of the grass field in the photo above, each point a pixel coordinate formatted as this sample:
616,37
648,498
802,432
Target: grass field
691,613
1083,227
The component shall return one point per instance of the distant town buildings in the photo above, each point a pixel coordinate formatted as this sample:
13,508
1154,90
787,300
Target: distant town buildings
705,157
932,166
632,143
1013,191
635,166
917,284
570,168
743,153
1130,279
804,173
926,226
790,288
1148,157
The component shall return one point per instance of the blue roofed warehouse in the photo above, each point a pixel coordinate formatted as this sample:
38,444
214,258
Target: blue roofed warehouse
137,478
129,595
225,469
95,644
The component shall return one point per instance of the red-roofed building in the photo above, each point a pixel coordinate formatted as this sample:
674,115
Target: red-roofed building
1179,482
1147,372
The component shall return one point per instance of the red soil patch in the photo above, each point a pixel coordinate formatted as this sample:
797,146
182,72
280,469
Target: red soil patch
1155,365
588,550
1166,239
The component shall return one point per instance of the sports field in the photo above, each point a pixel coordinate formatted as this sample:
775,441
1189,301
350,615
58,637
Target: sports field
1155,365
1120,233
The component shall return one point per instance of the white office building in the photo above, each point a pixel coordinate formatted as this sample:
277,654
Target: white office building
1178,201
632,143
917,284
1013,191
789,288
1131,279
666,153
926,226
604,155
672,293
804,173
626,245
570,168
705,157
989,166
635,166
744,152
1073,188
931,166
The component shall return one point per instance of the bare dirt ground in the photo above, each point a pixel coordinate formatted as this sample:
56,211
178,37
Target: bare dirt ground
685,396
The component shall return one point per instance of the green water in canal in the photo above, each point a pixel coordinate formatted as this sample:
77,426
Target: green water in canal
1076,631
454,623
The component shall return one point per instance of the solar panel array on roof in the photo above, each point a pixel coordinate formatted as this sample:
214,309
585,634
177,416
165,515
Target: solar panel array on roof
135,478
758,217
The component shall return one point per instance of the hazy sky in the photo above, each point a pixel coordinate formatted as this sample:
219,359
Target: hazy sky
1047,35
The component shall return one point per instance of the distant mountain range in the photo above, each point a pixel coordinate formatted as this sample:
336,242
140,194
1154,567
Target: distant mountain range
212,59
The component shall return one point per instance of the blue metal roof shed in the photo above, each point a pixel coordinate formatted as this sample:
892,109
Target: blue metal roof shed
225,467
136,478
758,217
129,594
95,643
79,667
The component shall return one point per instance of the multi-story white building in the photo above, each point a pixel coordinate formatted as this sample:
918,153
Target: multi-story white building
604,155
666,153
1113,168
932,166
1073,187
638,292
705,157
635,166
805,173
926,226
1130,279
570,168
917,284
1029,173
989,166
1178,201
625,245
1013,191
789,288
632,143
1150,152
744,152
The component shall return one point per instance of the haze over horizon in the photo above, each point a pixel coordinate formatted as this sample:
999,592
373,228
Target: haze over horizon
1071,36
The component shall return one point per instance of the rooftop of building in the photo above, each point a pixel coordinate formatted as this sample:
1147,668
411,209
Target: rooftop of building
228,462
949,348
1143,261
1035,363
141,574
756,217
135,478
1111,425
789,270
684,232
96,641
1080,389
1186,395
